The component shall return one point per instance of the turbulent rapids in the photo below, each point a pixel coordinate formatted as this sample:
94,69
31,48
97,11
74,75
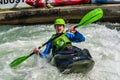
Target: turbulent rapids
15,41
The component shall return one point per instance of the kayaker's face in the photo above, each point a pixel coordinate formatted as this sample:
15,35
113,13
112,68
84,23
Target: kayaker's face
59,28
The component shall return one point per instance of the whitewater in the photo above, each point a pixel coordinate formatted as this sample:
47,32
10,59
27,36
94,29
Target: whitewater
19,40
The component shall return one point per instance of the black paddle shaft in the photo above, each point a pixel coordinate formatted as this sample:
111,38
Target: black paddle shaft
49,41
46,43
53,39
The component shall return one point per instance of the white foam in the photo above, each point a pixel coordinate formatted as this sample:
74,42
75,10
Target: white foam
103,44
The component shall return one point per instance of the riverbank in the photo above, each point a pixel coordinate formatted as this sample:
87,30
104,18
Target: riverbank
69,13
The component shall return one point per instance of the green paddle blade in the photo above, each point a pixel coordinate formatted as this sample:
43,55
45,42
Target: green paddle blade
92,16
18,61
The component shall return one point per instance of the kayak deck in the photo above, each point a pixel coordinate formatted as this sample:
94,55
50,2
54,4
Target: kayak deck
82,66
82,62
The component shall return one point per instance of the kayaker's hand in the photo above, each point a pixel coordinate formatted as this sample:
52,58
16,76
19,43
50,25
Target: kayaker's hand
72,29
36,51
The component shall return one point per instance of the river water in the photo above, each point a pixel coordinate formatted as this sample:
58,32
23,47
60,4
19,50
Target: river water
19,40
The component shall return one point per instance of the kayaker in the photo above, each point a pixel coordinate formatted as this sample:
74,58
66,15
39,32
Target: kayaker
60,43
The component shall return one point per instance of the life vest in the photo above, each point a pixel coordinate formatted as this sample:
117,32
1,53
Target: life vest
60,43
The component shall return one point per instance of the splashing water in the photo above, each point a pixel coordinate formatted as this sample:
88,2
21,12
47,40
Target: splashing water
16,41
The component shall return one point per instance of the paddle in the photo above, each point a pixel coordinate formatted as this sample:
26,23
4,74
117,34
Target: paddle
90,17
21,59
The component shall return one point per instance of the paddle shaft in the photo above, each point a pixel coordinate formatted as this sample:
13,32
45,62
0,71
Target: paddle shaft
49,41
46,43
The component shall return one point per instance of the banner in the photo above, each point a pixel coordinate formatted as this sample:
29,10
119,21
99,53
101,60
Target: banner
12,4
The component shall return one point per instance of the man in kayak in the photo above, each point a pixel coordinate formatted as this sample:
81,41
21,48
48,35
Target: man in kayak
62,45
70,35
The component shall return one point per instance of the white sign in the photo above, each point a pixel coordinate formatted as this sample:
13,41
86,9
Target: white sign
12,4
